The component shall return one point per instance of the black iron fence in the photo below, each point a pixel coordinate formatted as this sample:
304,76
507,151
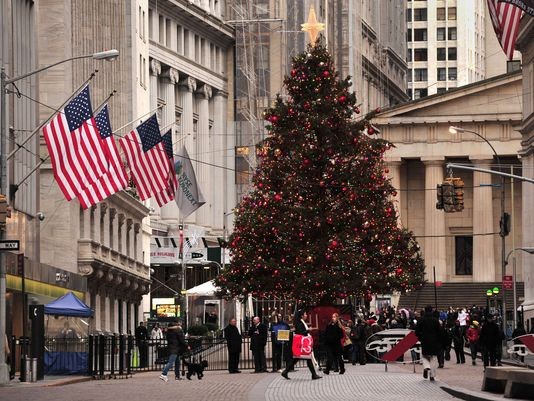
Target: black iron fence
117,356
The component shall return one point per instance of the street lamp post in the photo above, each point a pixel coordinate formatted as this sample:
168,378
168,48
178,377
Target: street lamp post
4,82
524,249
459,130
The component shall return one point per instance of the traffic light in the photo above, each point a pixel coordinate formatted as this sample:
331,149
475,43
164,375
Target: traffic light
458,194
3,209
439,203
505,224
448,196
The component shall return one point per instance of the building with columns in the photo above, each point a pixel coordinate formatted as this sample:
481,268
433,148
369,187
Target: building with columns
464,247
106,246
190,53
526,45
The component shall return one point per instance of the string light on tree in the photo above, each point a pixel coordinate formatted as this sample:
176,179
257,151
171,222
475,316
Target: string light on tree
319,223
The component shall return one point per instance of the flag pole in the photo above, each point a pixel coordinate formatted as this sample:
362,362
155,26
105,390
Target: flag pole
46,158
138,118
44,122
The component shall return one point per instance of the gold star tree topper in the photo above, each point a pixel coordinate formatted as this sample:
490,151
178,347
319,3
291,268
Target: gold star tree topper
313,27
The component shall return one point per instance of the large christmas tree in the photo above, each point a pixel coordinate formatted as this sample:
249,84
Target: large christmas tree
319,223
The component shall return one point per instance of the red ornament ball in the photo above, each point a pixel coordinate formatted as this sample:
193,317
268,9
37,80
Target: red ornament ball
277,197
326,73
293,73
370,130
378,110
274,119
357,110
342,99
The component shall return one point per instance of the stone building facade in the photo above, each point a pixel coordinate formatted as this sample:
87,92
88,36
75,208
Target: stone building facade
525,43
464,247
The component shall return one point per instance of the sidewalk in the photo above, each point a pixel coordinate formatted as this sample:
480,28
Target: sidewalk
369,383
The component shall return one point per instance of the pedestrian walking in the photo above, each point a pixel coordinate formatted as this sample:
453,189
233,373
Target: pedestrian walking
177,346
428,331
258,341
490,339
156,333
473,335
458,341
334,337
301,328
234,342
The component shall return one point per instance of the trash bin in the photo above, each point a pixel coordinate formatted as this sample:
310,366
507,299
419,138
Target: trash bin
26,369
33,362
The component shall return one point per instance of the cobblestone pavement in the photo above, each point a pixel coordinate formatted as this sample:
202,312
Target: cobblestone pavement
369,382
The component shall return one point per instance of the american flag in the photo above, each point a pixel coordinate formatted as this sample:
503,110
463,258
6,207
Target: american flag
505,19
77,153
115,179
167,195
147,158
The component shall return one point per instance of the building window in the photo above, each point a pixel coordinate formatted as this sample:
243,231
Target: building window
409,55
440,13
409,93
451,53
442,74
419,14
143,28
452,33
241,165
168,31
464,255
441,90
419,93
150,25
452,74
420,74
514,65
161,29
451,13
440,34
442,54
419,35
420,55
141,70
180,40
187,47
409,15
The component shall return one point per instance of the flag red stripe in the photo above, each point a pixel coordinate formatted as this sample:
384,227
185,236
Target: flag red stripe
505,19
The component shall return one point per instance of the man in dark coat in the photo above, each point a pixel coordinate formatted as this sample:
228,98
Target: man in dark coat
333,336
490,339
429,332
258,341
177,346
141,339
300,328
233,342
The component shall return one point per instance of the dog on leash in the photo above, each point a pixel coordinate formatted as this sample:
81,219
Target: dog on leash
196,369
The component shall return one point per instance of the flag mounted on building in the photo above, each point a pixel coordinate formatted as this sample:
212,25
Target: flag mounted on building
167,195
525,5
77,152
115,179
188,195
147,158
505,18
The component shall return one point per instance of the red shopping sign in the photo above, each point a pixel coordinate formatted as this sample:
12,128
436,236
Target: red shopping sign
302,346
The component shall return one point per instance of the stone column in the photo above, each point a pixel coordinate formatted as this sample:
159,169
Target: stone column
203,153
435,250
115,326
123,329
95,229
133,311
122,237
170,210
104,225
138,246
394,167
129,232
155,70
114,231
217,176
187,87
483,222
85,232
107,313
98,312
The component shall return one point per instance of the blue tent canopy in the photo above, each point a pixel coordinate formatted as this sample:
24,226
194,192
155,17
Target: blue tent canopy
68,305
